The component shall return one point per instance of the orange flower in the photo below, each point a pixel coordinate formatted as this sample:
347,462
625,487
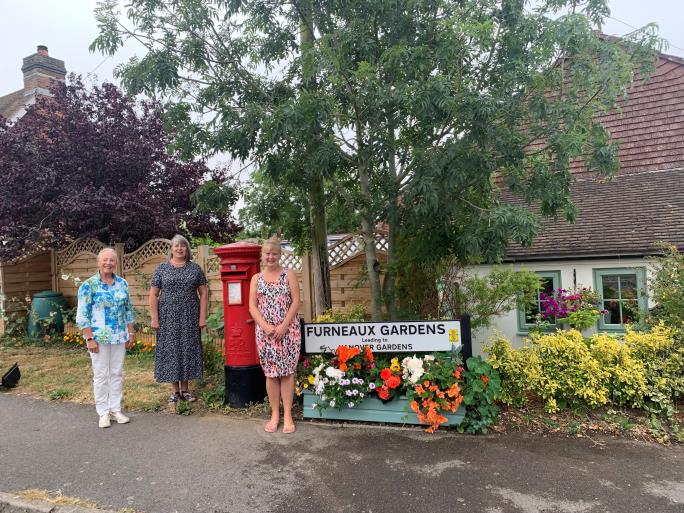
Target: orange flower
485,379
343,367
383,392
426,383
420,389
385,374
457,373
369,354
393,381
433,388
453,390
414,406
344,353
357,365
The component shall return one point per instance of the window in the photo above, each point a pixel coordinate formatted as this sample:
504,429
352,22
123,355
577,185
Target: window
623,296
550,281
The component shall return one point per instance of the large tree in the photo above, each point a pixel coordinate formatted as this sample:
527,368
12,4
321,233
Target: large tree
95,163
430,107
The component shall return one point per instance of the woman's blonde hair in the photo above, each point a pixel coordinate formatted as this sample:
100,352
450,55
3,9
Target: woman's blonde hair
273,243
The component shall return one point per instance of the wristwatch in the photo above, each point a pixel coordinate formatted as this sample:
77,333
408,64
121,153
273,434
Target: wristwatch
90,339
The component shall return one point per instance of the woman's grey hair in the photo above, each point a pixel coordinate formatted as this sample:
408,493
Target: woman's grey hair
179,239
106,250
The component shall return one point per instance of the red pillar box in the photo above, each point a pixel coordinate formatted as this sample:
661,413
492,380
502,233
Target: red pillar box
245,382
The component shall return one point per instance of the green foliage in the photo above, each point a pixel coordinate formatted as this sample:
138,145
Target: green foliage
404,114
60,394
214,397
667,287
213,197
183,408
355,313
513,366
213,359
485,296
481,387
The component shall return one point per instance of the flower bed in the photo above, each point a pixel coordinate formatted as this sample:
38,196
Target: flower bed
353,384
371,409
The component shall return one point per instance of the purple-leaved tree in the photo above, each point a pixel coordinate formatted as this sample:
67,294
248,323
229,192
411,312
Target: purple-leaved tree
96,163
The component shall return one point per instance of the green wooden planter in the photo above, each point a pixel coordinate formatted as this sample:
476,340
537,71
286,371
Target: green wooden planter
374,410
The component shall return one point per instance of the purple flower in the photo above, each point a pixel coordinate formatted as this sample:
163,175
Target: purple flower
371,386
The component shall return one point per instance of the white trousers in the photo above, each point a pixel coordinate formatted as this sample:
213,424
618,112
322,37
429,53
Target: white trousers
108,377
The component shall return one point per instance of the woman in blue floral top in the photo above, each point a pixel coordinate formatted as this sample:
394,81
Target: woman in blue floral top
105,317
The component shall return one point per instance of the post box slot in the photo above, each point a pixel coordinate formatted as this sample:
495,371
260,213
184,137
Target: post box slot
236,274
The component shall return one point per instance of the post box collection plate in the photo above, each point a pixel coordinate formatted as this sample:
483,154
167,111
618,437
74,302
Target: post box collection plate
234,293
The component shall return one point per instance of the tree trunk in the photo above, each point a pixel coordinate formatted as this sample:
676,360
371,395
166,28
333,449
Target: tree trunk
368,231
320,269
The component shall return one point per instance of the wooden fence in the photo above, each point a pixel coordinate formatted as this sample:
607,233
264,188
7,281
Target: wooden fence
65,269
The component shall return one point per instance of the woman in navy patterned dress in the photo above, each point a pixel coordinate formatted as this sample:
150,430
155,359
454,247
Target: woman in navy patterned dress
274,305
178,311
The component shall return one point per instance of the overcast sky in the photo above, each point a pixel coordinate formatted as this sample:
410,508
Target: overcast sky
67,27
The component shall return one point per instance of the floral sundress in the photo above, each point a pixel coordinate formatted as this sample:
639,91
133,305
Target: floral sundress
274,300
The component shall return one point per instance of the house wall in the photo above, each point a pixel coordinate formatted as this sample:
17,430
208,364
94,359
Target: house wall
573,274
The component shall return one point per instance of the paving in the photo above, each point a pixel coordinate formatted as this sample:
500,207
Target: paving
165,463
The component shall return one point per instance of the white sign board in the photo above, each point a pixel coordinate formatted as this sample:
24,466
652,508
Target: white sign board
384,337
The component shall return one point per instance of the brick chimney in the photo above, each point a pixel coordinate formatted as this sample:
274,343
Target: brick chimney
40,70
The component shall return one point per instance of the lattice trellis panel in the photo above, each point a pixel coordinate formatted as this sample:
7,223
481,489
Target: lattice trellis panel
290,261
212,264
70,253
151,249
351,246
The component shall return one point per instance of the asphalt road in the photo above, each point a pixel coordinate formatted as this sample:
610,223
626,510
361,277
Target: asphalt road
216,464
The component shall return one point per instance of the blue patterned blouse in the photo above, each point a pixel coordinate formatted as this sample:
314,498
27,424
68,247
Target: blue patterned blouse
105,308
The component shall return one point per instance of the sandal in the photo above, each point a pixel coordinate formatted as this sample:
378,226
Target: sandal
187,396
174,398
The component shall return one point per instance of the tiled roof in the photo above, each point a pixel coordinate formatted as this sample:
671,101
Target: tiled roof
12,103
644,204
626,216
650,123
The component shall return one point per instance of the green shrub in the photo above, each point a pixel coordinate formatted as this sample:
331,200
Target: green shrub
480,389
355,313
627,375
643,370
662,356
517,368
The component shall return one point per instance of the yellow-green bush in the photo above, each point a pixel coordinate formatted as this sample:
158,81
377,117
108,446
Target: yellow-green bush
645,369
569,371
517,367
663,358
627,374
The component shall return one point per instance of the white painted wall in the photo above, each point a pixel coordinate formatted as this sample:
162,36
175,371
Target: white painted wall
574,274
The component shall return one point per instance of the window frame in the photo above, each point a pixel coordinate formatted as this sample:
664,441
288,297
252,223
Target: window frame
523,326
641,294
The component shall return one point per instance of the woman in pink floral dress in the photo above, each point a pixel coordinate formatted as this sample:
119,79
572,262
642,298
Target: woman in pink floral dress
274,305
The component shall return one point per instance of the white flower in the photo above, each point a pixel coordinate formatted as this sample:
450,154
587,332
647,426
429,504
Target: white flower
360,394
332,403
429,358
350,405
349,393
355,392
413,369
65,277
334,374
313,406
